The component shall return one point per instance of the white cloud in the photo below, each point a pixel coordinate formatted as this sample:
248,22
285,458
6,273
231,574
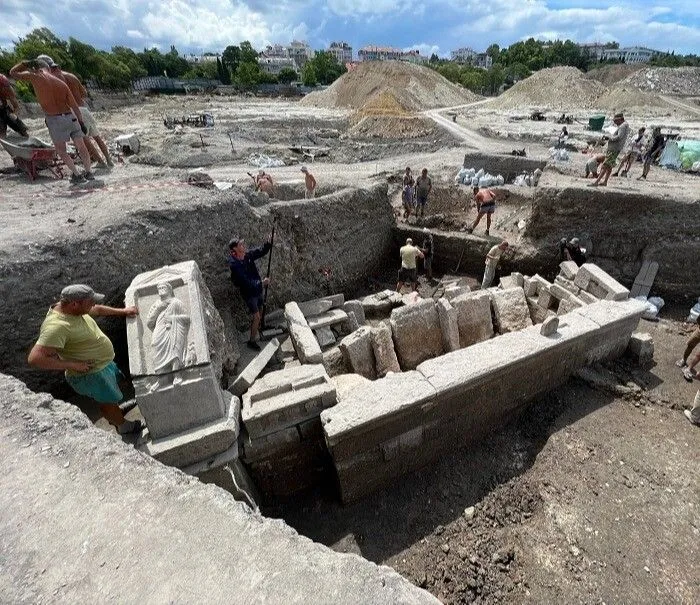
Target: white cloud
425,49
362,8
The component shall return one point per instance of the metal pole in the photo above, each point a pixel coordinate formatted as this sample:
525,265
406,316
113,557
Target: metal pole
269,265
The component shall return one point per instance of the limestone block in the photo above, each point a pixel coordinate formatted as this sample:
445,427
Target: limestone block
587,297
346,384
383,348
173,404
507,282
358,352
356,307
473,317
569,304
287,397
558,292
449,324
417,334
549,326
305,343
352,323
537,282
286,352
273,444
314,307
567,284
334,362
198,444
246,378
510,310
519,278
332,317
537,314
293,315
546,299
452,292
593,279
325,337
381,303
568,269
641,347
410,298
526,285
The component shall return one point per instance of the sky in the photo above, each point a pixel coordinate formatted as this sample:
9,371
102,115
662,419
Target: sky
437,26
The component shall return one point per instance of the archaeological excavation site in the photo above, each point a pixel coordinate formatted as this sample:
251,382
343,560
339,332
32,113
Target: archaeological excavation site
522,441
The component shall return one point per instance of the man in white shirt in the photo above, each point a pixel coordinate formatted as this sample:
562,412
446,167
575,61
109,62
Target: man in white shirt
408,271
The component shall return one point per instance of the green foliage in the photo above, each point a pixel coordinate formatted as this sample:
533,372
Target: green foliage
205,69
112,73
24,91
248,53
8,60
231,57
222,72
308,75
43,41
326,68
248,75
287,75
434,59
129,58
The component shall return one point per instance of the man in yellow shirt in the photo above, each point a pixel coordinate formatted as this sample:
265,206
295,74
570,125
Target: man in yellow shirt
408,271
71,341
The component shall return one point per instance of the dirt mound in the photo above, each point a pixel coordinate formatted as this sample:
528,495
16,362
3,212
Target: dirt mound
416,88
625,98
383,104
667,80
612,74
391,127
559,88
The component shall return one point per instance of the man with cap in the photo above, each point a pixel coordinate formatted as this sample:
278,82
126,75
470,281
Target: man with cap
80,94
408,271
9,106
63,117
70,340
245,276
572,250
310,182
616,143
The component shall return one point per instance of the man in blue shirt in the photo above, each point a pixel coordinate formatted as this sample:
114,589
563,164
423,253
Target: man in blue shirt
245,276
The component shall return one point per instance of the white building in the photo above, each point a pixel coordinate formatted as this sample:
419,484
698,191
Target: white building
342,52
274,65
301,52
205,58
483,61
387,53
595,50
630,54
463,55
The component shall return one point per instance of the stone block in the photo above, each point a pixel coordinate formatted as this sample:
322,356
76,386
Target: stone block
537,282
526,285
641,347
305,343
537,314
568,269
273,444
411,298
334,362
346,384
325,337
593,279
558,292
381,303
352,323
417,334
246,378
358,353
355,306
332,317
383,348
569,304
507,282
519,278
198,444
314,307
452,292
587,297
449,324
285,398
549,326
546,299
473,317
293,315
510,310
171,405
567,284
286,352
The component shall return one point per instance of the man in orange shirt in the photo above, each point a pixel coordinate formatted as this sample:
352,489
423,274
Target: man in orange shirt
485,204
8,109
80,94
63,117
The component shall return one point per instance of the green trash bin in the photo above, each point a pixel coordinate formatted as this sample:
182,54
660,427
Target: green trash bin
596,122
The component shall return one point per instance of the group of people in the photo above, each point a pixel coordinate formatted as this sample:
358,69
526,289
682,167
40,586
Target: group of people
600,166
263,182
415,192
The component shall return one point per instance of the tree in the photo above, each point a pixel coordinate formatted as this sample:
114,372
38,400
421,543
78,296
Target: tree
231,57
434,59
112,73
153,61
43,41
222,72
7,60
248,75
86,58
308,75
129,58
175,65
493,51
204,69
287,75
248,53
494,79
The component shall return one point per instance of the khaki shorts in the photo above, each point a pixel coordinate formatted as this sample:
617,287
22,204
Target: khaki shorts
611,158
63,127
89,121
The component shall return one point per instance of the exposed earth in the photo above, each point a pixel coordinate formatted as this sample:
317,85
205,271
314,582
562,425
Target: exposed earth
593,495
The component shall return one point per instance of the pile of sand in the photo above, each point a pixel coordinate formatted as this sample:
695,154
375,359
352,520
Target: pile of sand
667,80
614,73
556,88
383,116
627,98
414,87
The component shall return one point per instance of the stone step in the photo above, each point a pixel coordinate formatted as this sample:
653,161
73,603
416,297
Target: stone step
334,316
253,369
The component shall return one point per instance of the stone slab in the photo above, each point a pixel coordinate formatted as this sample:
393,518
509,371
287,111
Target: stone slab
568,269
334,316
305,343
587,297
559,292
452,292
510,310
449,324
358,353
101,485
355,306
590,277
334,362
537,314
546,299
416,332
325,337
381,303
170,407
645,279
345,384
273,444
315,307
508,281
383,349
537,282
641,347
199,444
293,315
567,284
473,317
247,377
569,304
286,397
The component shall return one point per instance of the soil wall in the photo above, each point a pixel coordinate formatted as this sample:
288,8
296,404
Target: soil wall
324,245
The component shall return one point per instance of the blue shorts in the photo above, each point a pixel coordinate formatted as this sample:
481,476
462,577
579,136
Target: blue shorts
487,209
101,386
254,303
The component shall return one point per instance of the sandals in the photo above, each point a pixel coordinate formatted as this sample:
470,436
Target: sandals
688,374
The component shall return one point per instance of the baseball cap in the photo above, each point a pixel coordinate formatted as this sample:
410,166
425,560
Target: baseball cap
76,292
409,240
304,169
619,115
574,241
48,60
233,242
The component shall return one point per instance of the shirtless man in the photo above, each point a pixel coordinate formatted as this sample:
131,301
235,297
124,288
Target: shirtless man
80,94
310,183
485,204
9,107
263,182
63,117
